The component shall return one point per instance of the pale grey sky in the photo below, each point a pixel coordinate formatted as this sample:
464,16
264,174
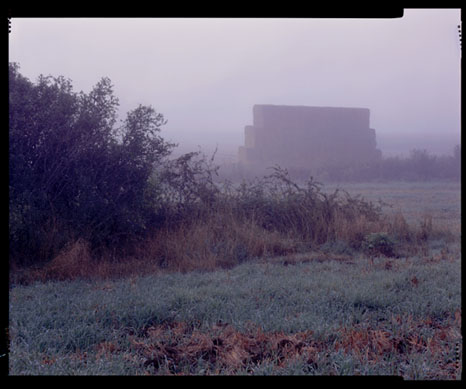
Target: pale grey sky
205,74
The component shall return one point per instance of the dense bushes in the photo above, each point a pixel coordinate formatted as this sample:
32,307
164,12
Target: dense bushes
72,172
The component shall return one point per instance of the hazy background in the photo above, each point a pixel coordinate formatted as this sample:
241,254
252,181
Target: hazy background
205,74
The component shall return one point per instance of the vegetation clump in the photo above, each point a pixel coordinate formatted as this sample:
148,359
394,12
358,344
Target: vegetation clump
73,172
379,244
79,182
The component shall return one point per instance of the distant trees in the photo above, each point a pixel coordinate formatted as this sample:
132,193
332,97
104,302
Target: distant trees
420,165
72,171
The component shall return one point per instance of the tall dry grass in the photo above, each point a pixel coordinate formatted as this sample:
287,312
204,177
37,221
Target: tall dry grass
270,217
219,240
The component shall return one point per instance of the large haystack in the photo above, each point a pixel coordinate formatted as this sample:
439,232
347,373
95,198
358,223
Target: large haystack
308,137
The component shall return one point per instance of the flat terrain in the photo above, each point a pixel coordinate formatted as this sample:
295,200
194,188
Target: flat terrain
316,313
441,200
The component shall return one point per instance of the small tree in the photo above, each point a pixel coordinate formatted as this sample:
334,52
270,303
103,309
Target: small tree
73,172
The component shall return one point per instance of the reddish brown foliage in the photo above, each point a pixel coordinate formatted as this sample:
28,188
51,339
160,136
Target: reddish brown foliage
169,347
177,348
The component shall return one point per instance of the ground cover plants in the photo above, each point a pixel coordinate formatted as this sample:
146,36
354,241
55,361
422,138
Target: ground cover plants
328,309
272,216
301,314
125,260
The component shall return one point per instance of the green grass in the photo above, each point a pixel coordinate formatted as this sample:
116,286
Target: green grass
84,327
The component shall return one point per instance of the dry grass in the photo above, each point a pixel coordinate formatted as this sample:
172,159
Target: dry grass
73,261
276,218
222,240
178,348
354,231
168,348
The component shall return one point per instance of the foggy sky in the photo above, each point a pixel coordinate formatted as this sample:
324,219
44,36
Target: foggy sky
205,74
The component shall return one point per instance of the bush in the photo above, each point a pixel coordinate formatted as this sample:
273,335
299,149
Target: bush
303,211
73,170
379,243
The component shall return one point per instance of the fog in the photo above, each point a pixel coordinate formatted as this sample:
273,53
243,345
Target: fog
205,74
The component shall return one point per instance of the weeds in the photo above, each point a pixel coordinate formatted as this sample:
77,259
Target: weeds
208,226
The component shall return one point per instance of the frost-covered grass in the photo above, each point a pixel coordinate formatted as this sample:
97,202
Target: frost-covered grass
413,199
393,316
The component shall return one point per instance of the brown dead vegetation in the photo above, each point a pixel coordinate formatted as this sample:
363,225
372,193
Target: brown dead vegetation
167,348
224,241
178,348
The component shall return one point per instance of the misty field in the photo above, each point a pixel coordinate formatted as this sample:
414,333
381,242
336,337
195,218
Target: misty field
441,200
329,309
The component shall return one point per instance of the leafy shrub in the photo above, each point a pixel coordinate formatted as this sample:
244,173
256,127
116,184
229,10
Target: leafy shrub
72,168
379,243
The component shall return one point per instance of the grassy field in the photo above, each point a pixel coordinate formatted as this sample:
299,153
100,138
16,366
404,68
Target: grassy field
328,311
442,200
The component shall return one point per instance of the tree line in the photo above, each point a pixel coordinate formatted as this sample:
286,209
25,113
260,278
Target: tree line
419,165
